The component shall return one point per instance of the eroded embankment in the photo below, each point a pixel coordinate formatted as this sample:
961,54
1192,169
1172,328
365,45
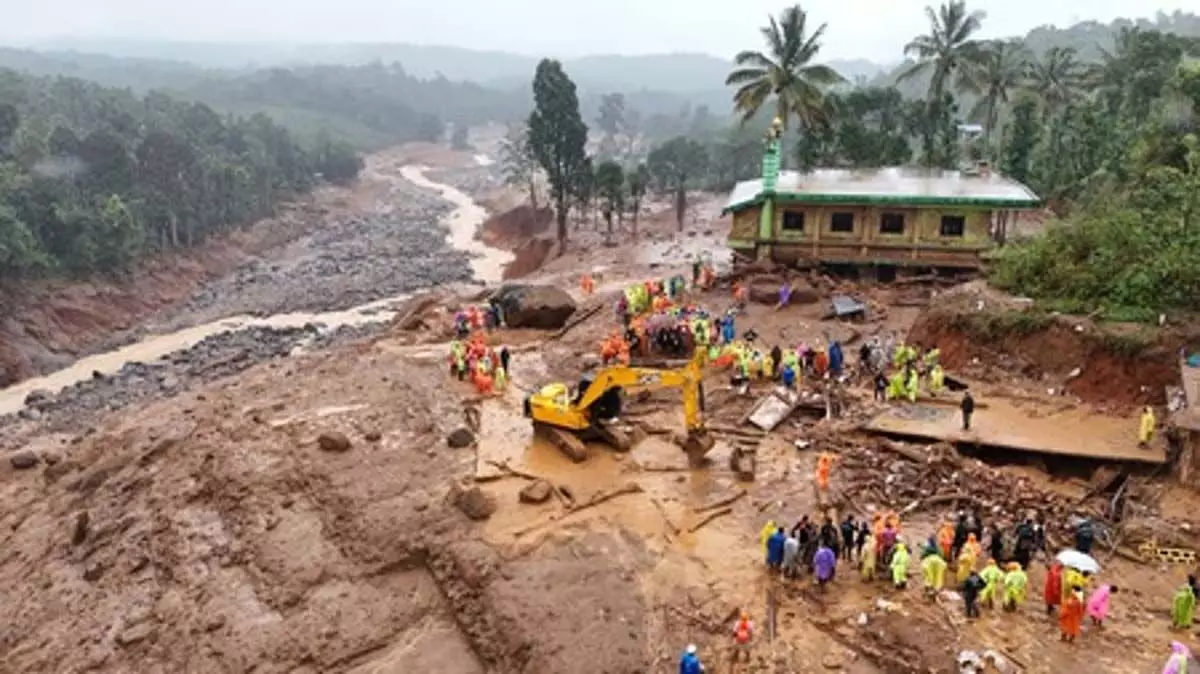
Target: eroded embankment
1115,364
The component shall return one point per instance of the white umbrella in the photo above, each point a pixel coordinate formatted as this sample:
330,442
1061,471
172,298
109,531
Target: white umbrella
1074,559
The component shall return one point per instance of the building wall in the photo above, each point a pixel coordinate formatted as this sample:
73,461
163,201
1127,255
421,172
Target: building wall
922,227
920,244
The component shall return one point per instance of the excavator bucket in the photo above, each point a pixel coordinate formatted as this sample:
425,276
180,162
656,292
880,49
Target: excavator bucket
696,444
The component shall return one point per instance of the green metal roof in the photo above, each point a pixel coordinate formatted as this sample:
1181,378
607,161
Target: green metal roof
900,186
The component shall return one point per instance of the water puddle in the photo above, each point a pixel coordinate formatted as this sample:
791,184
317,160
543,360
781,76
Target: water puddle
487,264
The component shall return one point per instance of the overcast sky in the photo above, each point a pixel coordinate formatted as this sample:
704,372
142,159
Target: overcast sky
872,29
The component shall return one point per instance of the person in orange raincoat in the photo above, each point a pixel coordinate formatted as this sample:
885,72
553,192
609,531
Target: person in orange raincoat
609,349
741,293
824,465
945,539
1070,615
820,363
587,284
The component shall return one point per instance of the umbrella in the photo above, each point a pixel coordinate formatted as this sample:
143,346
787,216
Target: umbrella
1074,559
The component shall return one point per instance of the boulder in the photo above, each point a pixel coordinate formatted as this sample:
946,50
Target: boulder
37,396
536,492
24,460
474,503
460,437
534,306
333,441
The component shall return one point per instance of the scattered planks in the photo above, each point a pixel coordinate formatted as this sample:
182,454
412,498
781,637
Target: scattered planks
708,518
662,510
721,502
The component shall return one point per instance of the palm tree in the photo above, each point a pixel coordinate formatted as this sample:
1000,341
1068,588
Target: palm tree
1058,78
948,50
1000,70
786,72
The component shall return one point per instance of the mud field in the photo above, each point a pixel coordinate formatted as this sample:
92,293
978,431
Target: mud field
297,499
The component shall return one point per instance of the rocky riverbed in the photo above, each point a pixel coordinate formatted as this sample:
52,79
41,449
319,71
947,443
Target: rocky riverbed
365,258
79,406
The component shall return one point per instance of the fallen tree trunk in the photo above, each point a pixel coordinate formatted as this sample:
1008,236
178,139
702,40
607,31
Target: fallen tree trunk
708,518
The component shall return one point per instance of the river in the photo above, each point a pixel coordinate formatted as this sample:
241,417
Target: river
487,266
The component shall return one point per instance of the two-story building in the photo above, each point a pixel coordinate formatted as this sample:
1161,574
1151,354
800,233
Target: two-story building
884,218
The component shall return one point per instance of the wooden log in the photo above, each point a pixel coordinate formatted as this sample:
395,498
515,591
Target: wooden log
719,503
597,499
708,518
576,321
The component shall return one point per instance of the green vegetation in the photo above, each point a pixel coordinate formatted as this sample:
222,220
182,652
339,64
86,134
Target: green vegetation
991,327
93,178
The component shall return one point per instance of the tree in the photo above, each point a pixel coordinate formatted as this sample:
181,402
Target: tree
1021,138
639,180
584,190
1000,70
610,184
1058,78
786,72
459,139
611,121
948,50
518,163
557,136
673,164
10,121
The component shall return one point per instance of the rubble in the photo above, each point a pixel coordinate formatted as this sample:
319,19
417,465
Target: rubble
543,307
333,441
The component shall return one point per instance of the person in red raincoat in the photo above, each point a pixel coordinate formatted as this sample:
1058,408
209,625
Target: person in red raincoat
1053,590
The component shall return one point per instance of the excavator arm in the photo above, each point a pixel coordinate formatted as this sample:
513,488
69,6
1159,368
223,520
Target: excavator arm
634,379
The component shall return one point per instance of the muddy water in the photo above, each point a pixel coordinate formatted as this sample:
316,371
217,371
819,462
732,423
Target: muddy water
487,265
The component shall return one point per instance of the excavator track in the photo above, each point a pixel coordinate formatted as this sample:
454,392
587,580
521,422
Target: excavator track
567,442
614,436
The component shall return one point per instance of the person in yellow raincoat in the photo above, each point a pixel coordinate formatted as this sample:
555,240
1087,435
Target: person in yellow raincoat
768,530
911,385
937,379
895,389
899,566
1146,426
966,564
1015,582
869,557
1071,579
768,366
933,570
993,576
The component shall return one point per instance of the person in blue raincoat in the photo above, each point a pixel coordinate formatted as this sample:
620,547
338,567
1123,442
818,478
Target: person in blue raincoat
775,547
690,662
837,359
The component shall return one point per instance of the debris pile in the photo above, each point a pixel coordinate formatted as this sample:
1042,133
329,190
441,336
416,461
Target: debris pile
910,478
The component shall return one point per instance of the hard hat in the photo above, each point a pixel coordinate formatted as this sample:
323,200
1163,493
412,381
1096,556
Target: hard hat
691,649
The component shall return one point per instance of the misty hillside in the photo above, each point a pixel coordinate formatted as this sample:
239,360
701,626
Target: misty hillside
677,73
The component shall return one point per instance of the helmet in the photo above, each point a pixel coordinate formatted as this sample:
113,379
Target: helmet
691,649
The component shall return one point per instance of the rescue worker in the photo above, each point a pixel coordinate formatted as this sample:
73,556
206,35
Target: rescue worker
912,385
824,466
1052,592
965,565
1146,427
899,566
968,408
945,540
743,634
937,380
971,587
1015,583
765,534
690,662
992,576
867,556
1070,615
1183,607
1178,662
933,571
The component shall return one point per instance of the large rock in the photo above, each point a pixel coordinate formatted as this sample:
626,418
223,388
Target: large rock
473,502
333,441
534,306
460,437
536,492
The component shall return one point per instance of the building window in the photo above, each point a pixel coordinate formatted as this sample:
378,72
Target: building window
793,221
891,223
841,222
954,225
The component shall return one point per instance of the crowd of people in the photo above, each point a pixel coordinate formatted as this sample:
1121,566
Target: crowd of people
471,359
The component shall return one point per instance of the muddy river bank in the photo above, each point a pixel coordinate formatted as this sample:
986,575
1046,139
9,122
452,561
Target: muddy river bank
337,285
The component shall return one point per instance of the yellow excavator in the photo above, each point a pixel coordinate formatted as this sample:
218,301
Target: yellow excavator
569,418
